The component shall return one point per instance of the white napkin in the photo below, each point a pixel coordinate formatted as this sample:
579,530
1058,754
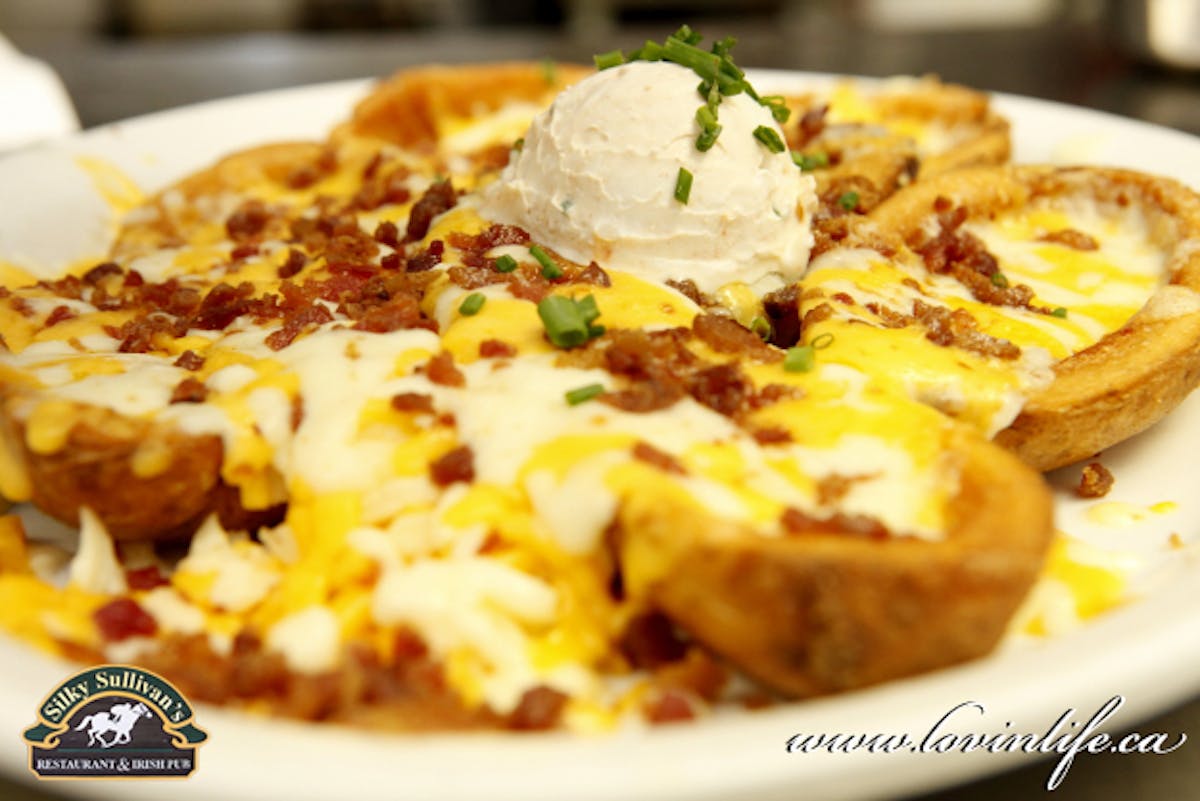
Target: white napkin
33,103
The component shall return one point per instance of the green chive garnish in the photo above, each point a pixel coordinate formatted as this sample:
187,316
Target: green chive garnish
800,359
550,269
707,139
822,341
613,58
770,138
1060,311
810,161
584,394
505,264
472,304
549,71
999,280
683,186
569,322
761,326
848,201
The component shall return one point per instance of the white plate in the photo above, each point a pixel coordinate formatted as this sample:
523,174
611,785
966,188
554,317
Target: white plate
1135,652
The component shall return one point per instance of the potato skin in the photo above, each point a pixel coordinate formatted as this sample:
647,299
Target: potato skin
815,614
98,467
1133,376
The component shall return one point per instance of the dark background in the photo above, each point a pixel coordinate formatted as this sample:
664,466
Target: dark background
120,58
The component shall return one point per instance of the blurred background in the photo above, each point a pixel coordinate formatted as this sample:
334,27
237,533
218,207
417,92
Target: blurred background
118,58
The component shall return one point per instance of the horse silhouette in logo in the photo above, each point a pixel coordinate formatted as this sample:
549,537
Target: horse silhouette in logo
119,720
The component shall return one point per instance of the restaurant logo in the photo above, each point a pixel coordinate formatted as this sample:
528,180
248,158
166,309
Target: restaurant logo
114,722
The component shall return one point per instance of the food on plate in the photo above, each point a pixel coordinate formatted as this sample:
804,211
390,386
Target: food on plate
478,414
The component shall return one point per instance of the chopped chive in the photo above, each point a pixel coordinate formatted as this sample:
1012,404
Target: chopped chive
707,118
1059,311
584,394
761,326
848,201
770,138
810,161
549,71
999,280
550,269
569,322
683,186
472,304
687,35
613,58
800,359
505,264
650,51
519,145
822,341
723,47
778,107
707,139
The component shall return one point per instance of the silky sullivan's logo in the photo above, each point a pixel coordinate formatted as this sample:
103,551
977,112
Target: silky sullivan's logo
114,722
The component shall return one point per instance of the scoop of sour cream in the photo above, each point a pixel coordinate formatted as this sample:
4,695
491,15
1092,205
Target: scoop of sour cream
595,180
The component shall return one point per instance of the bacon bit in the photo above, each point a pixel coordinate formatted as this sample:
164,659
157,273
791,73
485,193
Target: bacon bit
842,298
496,349
645,452
669,706
21,306
833,487
386,233
222,305
456,465
817,314
297,416
247,221
138,335
428,258
959,329
493,236
302,177
890,318
413,402
539,709
293,264
243,251
811,124
797,522
439,198
593,274
189,390
441,370
351,251
57,315
145,578
771,435
722,388
650,641
391,261
123,618
725,335
687,287
782,308
294,323
1095,481
101,271
1071,238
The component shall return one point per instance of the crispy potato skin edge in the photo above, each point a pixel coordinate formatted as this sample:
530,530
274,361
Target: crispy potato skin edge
816,614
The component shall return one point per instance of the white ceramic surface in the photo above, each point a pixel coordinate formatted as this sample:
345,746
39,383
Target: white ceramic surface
1145,652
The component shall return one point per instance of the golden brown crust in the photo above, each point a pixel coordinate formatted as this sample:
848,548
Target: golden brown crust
406,108
1133,376
815,614
144,480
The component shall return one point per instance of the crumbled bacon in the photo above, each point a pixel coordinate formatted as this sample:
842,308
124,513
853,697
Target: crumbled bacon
428,258
123,618
1095,481
687,287
386,233
57,315
145,578
247,221
496,349
222,305
412,402
809,127
189,390
1071,238
959,329
455,465
293,264
782,308
593,274
189,360
650,641
669,706
441,370
539,709
439,198
101,271
771,435
645,452
725,335
796,522
295,322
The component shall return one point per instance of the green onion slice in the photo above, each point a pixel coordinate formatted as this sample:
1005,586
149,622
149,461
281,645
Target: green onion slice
613,58
1059,311
848,201
800,359
999,280
550,268
569,322
584,394
683,185
770,139
472,304
505,264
